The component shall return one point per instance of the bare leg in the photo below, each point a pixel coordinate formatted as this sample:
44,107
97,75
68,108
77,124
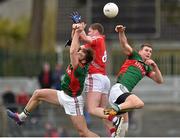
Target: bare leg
48,95
132,102
94,107
124,128
79,123
104,102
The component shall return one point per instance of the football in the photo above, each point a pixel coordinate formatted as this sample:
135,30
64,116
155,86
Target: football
110,10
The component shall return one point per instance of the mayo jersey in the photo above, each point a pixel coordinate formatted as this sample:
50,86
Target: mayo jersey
98,65
73,81
132,71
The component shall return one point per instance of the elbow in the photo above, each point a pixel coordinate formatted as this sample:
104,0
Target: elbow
87,41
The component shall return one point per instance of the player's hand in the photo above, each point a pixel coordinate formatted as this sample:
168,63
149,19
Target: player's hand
82,26
79,27
120,28
76,17
150,62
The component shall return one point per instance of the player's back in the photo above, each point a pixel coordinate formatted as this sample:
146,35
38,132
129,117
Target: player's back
98,65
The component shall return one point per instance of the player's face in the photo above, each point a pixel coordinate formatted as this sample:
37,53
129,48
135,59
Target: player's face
146,53
91,32
82,56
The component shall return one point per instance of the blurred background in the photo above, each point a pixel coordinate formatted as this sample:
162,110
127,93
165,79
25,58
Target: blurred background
32,38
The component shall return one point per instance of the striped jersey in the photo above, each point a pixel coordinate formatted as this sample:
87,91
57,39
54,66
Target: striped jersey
132,71
73,81
98,65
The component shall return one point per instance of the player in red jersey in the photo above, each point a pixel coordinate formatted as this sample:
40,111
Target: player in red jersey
97,83
72,85
137,65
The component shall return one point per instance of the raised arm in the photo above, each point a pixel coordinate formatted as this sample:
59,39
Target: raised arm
127,49
85,38
75,45
73,30
74,27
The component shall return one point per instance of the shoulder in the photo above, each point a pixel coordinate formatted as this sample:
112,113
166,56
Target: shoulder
134,53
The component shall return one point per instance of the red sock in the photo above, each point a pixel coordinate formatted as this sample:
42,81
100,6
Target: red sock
110,117
112,130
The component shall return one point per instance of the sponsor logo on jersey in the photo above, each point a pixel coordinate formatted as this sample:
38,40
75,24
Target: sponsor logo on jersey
140,66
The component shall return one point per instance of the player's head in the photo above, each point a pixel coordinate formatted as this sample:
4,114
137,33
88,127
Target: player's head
146,51
86,55
95,29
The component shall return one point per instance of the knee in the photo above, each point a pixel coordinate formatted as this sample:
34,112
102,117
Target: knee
136,101
36,94
139,104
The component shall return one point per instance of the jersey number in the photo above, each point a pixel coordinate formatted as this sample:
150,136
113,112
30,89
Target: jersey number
104,58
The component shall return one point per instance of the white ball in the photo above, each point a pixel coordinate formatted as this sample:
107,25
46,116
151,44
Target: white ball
110,10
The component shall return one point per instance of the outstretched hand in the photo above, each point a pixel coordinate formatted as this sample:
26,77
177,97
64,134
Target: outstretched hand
76,17
79,27
150,62
120,28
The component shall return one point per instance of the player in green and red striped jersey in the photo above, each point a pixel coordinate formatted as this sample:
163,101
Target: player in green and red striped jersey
72,85
136,66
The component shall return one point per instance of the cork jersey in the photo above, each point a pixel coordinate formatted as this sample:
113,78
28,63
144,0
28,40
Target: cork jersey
98,65
132,71
73,81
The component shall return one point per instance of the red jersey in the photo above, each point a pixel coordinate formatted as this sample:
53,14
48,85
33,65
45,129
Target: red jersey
98,65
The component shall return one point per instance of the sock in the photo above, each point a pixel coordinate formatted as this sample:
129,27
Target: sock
113,131
23,115
26,112
112,118
124,129
125,126
119,107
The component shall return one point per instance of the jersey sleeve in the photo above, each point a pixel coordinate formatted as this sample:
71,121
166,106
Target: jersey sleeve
149,70
92,44
134,55
94,41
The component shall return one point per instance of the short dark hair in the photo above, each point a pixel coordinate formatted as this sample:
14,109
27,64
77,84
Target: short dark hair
89,54
98,26
146,44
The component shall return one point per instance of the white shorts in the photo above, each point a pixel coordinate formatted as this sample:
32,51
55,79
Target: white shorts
116,90
98,83
72,105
